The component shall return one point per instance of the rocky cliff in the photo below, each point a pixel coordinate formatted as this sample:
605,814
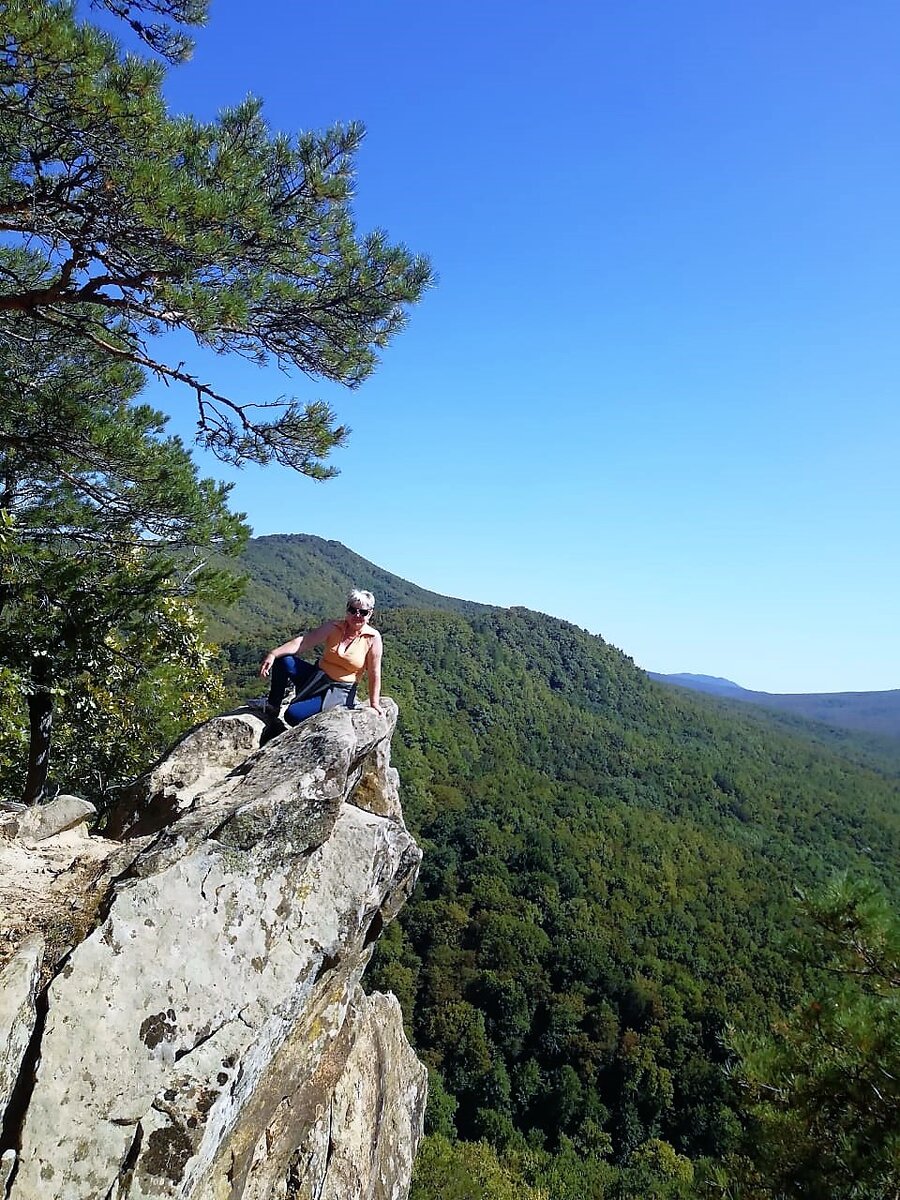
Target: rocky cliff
180,1004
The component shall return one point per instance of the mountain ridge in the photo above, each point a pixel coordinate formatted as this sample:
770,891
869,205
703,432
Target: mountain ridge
867,712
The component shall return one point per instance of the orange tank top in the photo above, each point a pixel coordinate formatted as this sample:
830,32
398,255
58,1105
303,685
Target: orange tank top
344,666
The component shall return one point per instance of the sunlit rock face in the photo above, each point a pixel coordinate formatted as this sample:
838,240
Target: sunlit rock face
197,1028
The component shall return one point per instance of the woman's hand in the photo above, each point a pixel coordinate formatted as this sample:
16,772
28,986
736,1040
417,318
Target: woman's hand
265,666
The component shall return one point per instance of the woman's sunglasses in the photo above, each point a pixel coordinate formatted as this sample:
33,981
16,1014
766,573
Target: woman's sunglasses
357,612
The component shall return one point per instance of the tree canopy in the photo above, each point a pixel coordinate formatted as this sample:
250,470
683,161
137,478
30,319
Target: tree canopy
160,34
138,223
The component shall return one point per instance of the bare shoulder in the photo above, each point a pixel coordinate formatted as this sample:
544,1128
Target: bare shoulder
323,631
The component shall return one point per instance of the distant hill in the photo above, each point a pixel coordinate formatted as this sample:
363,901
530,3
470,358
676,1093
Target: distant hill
866,712
609,863
699,683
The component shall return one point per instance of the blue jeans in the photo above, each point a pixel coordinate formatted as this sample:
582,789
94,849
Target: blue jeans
314,690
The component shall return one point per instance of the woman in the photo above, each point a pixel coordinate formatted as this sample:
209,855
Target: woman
352,647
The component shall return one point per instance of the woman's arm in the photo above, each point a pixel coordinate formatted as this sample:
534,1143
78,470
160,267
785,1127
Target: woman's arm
303,641
373,671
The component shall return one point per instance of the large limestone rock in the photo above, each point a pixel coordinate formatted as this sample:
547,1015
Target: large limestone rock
351,1156
207,1036
199,760
56,888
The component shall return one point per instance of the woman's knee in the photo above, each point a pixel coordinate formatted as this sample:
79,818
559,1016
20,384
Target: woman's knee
301,709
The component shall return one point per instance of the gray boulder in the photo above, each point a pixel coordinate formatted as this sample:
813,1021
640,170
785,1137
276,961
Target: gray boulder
46,820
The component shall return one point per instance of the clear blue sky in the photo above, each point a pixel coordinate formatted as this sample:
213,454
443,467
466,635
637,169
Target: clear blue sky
655,390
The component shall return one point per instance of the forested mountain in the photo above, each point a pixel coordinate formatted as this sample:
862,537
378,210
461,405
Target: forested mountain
297,574
607,885
866,712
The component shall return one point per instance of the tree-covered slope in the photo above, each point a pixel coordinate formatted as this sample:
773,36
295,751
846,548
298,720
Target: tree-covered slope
297,575
608,872
878,751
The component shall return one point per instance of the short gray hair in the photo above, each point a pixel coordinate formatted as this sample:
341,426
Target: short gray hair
361,599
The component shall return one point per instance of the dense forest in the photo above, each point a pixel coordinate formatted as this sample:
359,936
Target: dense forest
607,899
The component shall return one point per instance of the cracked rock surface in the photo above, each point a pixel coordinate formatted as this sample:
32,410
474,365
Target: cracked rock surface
205,1034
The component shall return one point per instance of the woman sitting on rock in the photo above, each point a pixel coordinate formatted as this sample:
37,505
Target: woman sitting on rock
352,647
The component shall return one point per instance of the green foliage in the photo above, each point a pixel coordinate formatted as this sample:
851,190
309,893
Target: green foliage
300,579
145,686
441,1109
138,222
453,1170
447,1170
160,35
824,1085
82,463
13,725
861,726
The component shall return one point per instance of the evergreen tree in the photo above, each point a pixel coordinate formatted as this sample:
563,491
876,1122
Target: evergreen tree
105,528
825,1086
119,705
138,223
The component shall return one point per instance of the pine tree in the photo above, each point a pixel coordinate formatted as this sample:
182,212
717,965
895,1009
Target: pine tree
106,534
825,1086
138,223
